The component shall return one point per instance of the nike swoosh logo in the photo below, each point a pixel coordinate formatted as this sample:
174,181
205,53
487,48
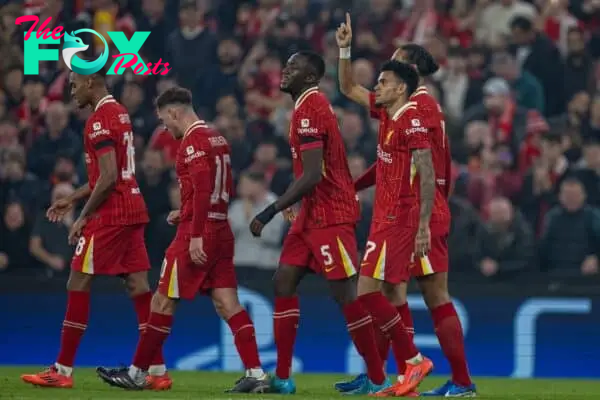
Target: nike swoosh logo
329,269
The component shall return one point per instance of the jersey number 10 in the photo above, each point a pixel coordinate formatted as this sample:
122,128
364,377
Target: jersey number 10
221,191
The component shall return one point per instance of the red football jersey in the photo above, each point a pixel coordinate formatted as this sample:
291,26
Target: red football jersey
433,120
109,128
397,183
333,201
203,167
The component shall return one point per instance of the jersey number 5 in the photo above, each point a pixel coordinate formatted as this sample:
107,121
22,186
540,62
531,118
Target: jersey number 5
129,171
221,191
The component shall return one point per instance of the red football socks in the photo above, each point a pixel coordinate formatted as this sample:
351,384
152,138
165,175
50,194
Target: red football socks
360,327
74,325
383,343
152,340
450,335
245,339
399,354
285,326
141,304
389,322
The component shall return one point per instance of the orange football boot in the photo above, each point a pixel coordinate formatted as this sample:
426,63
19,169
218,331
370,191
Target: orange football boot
49,378
414,375
159,382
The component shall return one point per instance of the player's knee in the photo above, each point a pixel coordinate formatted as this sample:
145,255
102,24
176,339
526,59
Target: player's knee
343,291
284,282
226,303
368,285
435,290
137,283
162,304
79,282
396,294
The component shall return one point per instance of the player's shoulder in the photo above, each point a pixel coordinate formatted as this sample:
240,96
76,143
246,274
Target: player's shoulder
312,102
424,99
204,136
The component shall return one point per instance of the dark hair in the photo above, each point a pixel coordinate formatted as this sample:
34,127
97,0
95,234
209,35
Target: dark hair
174,95
420,57
572,179
554,136
522,23
404,72
457,51
315,61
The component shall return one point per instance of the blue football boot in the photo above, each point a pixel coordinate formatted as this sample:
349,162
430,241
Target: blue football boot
451,389
283,386
348,386
369,387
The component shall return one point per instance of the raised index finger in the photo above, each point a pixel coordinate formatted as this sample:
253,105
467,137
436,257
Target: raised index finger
348,21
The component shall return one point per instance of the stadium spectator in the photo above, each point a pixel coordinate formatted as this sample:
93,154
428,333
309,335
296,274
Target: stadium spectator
143,118
356,137
153,18
190,66
276,175
31,112
466,225
233,130
579,65
591,127
221,79
589,173
154,181
57,138
254,196
540,186
19,184
14,251
527,91
13,87
570,244
536,54
505,247
494,18
48,243
358,165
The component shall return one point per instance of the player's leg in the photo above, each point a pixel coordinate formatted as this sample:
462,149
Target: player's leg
293,266
334,250
386,259
228,306
432,277
396,294
136,282
83,265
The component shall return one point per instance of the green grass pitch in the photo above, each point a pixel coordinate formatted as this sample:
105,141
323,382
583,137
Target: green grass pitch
210,385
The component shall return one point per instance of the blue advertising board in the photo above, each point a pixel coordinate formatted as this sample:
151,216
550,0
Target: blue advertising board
518,337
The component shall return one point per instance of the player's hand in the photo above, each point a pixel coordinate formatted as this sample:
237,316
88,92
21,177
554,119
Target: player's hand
261,219
343,34
59,209
57,263
196,249
289,214
3,261
488,267
75,231
422,241
173,217
589,266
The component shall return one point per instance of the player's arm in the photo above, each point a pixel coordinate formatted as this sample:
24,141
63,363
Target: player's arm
203,186
348,87
107,162
312,161
424,164
80,193
367,179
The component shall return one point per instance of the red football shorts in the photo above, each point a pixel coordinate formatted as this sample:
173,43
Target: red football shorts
180,278
388,253
330,251
435,261
111,249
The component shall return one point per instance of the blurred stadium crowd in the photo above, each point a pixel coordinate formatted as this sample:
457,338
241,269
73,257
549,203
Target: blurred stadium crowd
517,83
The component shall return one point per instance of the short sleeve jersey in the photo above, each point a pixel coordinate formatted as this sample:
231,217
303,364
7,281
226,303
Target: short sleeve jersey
333,201
397,183
203,149
109,128
433,120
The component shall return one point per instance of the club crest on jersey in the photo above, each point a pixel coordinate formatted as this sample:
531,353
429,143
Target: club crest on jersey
304,123
189,150
415,122
97,126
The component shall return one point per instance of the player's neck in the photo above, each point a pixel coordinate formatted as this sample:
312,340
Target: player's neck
393,108
98,97
300,92
188,120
